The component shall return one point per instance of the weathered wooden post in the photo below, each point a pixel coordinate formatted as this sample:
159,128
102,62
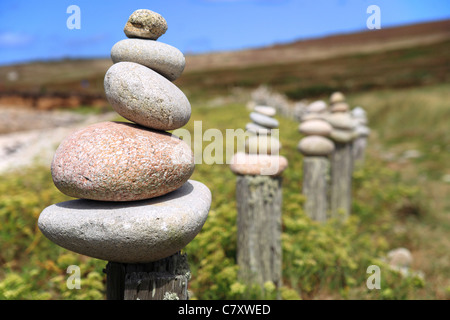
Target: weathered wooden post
165,279
316,149
259,201
137,207
342,158
362,133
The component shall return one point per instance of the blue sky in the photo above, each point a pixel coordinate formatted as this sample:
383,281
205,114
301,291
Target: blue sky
37,29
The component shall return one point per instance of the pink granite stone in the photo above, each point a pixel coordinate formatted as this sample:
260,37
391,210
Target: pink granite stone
257,164
118,161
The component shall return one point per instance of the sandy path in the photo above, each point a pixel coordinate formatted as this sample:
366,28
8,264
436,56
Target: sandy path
34,135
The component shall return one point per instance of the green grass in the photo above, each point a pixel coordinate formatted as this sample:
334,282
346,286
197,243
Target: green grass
396,203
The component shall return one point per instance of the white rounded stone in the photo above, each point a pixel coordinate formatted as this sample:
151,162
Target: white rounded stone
266,110
342,120
337,97
315,127
317,107
342,136
315,146
131,232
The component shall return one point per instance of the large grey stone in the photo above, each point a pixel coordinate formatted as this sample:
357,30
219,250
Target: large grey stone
117,161
160,57
142,95
131,232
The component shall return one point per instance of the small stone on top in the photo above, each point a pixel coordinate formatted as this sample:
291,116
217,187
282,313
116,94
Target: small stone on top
145,24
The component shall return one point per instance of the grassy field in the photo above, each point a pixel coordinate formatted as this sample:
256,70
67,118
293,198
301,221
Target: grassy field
398,201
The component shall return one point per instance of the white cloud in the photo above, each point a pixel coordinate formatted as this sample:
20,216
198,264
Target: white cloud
14,39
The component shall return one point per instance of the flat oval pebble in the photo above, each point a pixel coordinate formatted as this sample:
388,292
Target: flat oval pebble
342,136
314,116
266,110
340,107
263,120
262,144
317,107
362,131
117,161
160,57
145,24
315,146
131,232
342,120
253,164
257,129
145,97
315,127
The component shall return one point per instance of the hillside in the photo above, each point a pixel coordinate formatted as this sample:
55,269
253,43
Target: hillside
393,57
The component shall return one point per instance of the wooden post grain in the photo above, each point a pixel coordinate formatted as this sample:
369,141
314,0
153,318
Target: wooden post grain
166,279
315,187
259,254
341,180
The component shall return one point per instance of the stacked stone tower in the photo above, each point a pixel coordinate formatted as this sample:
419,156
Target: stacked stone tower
135,202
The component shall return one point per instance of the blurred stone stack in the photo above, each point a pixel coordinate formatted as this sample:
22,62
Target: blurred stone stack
259,200
362,133
136,203
262,147
343,135
316,148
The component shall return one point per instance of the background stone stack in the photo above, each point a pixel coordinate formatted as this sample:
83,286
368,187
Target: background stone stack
362,133
259,201
146,207
316,148
262,147
342,159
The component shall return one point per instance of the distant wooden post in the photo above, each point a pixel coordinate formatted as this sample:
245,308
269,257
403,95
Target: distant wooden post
259,252
342,157
166,279
361,132
341,180
316,149
259,200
